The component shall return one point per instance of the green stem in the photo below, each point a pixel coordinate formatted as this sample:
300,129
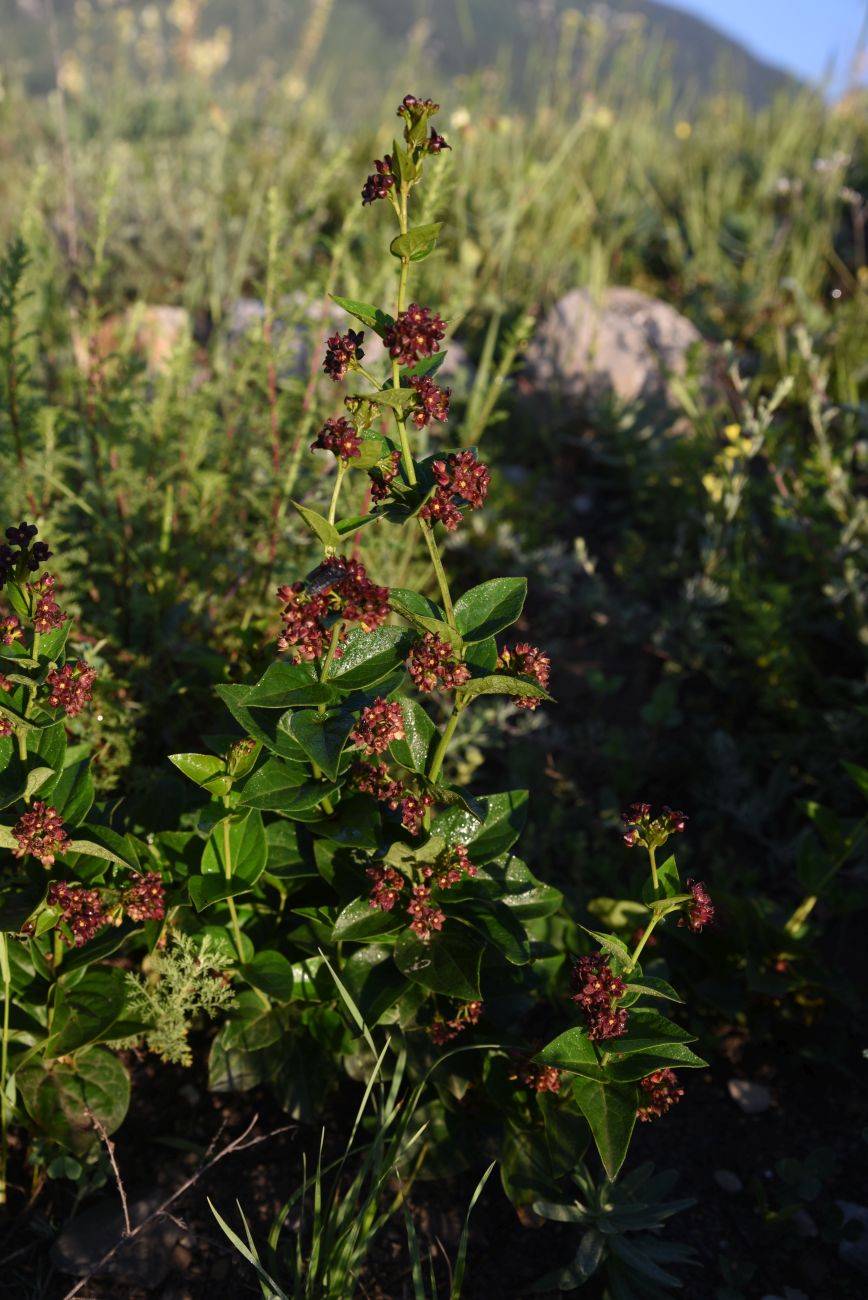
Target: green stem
442,582
652,854
631,964
336,491
227,869
357,365
443,744
4,1063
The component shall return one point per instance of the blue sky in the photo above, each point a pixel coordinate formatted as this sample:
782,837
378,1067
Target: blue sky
803,36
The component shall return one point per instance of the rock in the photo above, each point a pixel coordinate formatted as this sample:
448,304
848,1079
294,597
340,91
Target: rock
752,1098
804,1224
790,1293
587,349
153,332
144,1261
855,1253
727,1181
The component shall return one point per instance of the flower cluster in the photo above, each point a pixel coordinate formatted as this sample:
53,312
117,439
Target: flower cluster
642,828
145,900
375,779
377,186
452,865
460,475
431,663
413,111
40,832
433,401
387,887
5,726
443,1031
382,477
47,614
539,1078
10,629
662,1091
341,350
28,557
700,910
82,910
414,333
427,916
340,588
597,989
70,688
379,724
339,437
526,661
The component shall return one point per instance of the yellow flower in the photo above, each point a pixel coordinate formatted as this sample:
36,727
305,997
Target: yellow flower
683,130
731,432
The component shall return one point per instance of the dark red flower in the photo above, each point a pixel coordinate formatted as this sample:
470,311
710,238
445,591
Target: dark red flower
413,809
341,349
70,688
596,990
47,614
379,724
387,888
82,910
434,401
435,143
526,661
539,1078
338,591
642,828
426,915
700,910
339,437
145,899
459,475
432,663
378,185
662,1091
382,478
10,629
40,832
414,333
375,779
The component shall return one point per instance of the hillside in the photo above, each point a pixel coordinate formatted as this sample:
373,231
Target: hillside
460,37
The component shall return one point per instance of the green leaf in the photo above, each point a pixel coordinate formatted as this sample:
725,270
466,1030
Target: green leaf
648,1031
673,1056
415,750
374,448
510,880
448,964
668,883
271,972
397,399
366,312
424,616
319,526
358,920
85,1012
417,243
569,1050
611,944
248,852
207,770
499,926
653,987
93,850
322,736
489,608
72,793
610,1109
274,787
505,815
57,1095
282,686
373,981
407,170
368,657
501,684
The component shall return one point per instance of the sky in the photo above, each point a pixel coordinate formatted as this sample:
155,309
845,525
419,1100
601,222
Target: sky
802,36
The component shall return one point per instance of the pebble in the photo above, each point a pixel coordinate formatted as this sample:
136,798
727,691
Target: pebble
751,1098
727,1180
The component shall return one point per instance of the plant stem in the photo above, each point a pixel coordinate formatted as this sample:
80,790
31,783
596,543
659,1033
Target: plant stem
443,744
336,491
641,944
442,582
4,1061
227,869
652,855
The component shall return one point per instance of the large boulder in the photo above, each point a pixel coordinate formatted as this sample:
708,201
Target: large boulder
622,344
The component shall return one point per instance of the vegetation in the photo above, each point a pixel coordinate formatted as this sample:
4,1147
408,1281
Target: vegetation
277,700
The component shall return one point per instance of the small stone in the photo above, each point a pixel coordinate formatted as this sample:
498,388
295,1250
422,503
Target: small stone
855,1253
727,1181
804,1224
144,1261
751,1098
